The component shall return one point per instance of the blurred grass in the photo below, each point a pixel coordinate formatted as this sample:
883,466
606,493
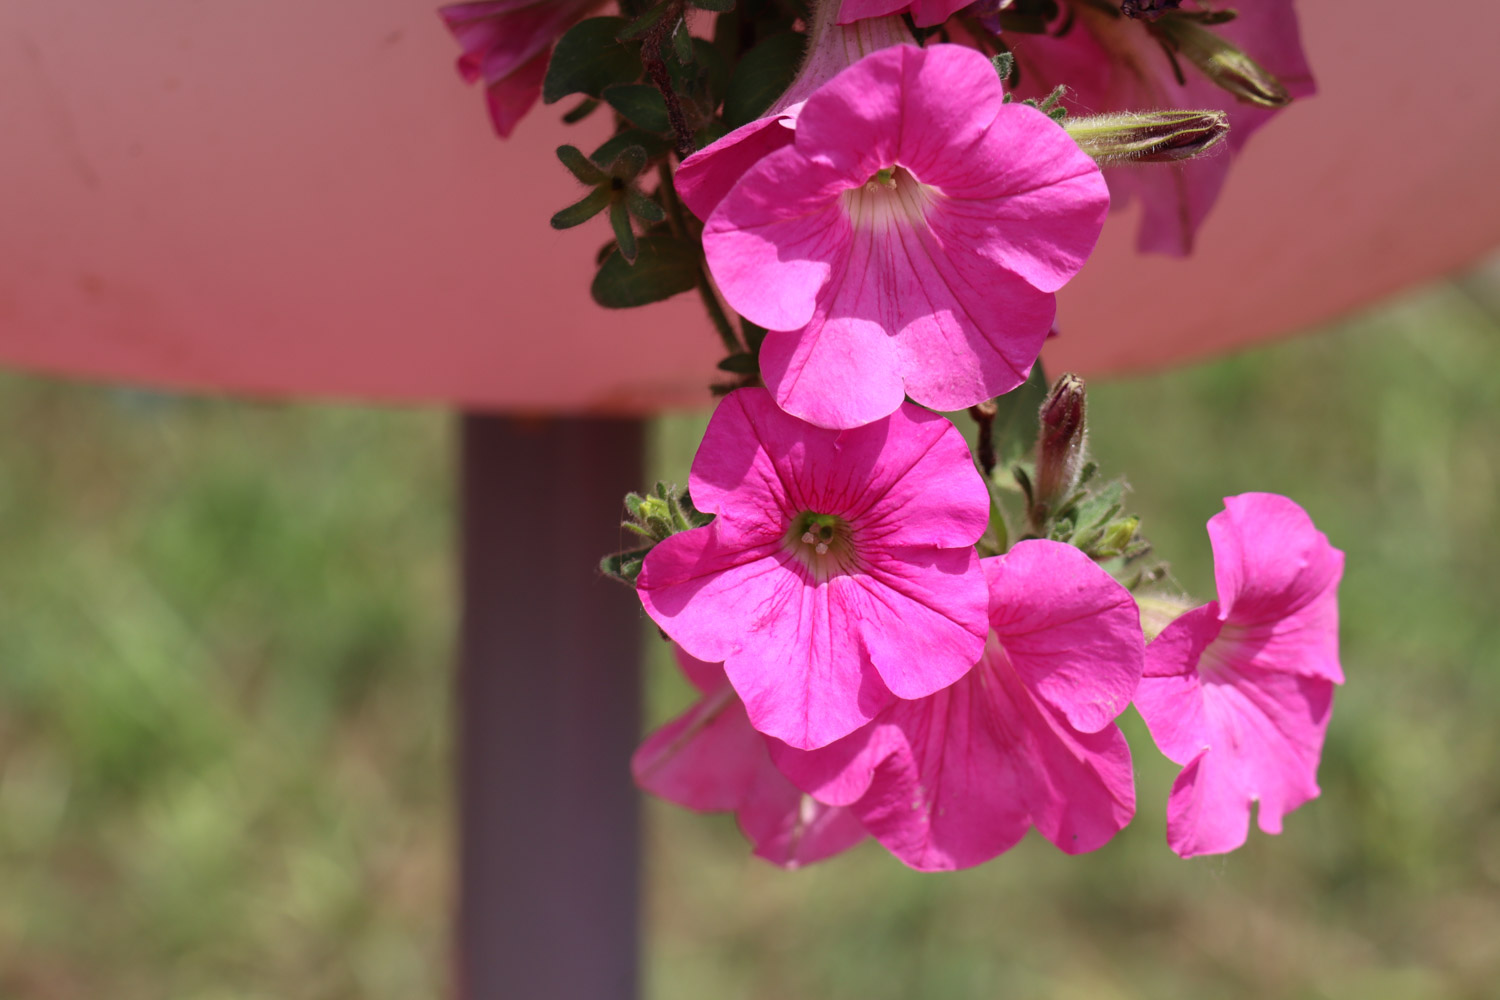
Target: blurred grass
224,645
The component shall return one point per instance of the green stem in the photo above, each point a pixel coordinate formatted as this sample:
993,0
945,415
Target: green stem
678,221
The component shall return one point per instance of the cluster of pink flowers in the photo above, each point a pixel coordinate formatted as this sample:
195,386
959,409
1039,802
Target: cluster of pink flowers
899,225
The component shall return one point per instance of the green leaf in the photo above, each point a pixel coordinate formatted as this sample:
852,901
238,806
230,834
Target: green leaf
1004,64
1016,423
583,210
643,208
739,364
619,220
755,335
682,43
644,23
581,110
664,266
653,145
642,104
717,6
762,76
580,166
629,164
589,58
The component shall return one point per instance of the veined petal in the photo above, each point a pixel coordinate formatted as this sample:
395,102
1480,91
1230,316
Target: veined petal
716,600
1266,733
1277,578
1026,199
1246,734
843,374
807,681
1170,697
959,777
1072,633
708,175
710,759
510,97
707,759
791,828
776,237
921,615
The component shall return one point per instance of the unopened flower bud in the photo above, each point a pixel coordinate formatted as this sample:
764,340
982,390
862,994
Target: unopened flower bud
1060,442
1222,62
1148,10
1148,136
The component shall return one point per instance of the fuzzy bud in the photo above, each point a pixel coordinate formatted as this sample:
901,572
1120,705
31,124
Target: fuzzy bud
1148,136
1221,61
1060,442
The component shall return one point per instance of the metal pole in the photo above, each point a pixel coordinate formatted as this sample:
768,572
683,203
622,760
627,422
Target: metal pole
548,713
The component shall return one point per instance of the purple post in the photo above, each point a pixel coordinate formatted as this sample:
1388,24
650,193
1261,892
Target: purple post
548,713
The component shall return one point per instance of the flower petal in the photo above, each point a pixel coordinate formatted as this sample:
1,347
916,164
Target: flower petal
715,598
776,237
1247,734
1169,697
1037,207
957,778
710,759
920,613
1277,578
708,175
1072,632
792,829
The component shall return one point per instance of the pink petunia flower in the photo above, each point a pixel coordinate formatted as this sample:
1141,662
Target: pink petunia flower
839,573
1239,690
506,43
908,241
1114,64
1025,739
712,760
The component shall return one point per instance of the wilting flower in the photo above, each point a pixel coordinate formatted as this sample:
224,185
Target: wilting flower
711,759
506,43
1239,690
908,241
839,573
1111,63
1025,739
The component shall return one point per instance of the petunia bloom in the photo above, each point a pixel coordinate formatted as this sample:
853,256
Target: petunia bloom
908,241
712,760
1239,690
506,43
1111,63
1025,739
839,573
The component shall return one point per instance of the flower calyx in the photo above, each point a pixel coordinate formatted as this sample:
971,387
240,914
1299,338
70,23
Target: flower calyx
614,189
655,517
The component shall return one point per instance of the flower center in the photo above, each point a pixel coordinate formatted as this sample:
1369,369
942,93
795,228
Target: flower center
892,196
822,542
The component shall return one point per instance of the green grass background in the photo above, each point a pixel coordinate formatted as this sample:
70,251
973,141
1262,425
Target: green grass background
225,634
